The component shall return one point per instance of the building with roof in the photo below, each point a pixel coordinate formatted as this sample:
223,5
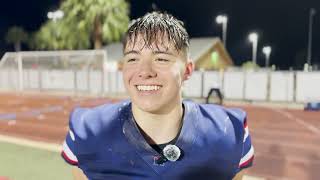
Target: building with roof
209,54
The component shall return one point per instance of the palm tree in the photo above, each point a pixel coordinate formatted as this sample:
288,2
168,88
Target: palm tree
16,35
103,20
57,35
84,21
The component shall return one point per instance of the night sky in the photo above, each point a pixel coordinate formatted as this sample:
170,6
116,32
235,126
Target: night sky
283,24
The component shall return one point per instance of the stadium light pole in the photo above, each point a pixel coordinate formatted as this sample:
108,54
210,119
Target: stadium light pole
267,51
55,15
253,37
312,12
223,19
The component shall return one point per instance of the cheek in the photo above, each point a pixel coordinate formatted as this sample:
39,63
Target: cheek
172,77
177,73
127,75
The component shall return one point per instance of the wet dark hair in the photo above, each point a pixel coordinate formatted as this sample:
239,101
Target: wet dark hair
154,27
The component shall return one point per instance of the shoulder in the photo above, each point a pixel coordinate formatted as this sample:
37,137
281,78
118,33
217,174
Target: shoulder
215,112
88,128
91,121
227,129
224,123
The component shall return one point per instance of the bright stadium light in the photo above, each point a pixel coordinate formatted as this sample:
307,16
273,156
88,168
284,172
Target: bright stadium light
267,51
223,19
55,15
253,37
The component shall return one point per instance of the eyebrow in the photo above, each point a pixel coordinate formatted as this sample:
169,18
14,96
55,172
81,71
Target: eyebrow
163,52
131,52
154,52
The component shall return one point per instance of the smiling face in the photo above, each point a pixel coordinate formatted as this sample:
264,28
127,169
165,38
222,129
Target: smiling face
153,75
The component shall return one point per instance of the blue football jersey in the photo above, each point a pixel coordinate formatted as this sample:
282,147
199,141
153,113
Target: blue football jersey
106,143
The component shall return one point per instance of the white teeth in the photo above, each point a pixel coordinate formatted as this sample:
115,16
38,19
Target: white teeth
147,88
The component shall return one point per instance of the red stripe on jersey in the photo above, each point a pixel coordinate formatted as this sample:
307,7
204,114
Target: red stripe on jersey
64,155
245,123
245,164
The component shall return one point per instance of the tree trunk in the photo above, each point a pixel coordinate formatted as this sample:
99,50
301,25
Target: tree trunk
97,36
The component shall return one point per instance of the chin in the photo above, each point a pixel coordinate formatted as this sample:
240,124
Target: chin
148,106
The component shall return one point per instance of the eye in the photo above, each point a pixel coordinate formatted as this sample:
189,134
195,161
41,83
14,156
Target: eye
131,60
162,60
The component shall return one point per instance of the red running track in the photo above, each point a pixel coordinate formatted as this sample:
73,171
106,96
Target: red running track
287,142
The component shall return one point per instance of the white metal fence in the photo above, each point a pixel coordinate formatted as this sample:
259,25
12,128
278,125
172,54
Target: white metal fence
89,72
237,85
285,86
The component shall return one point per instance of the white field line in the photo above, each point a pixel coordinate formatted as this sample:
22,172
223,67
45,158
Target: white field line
266,104
309,126
30,143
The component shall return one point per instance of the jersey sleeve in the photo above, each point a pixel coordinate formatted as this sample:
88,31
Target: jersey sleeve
69,145
246,155
247,149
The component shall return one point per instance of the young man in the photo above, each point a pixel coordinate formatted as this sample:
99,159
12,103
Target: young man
157,135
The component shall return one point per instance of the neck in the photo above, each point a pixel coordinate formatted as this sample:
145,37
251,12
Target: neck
159,128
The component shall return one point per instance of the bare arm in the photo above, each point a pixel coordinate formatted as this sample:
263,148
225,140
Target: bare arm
78,174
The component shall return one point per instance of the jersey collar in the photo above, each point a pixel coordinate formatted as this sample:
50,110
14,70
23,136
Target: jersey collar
145,151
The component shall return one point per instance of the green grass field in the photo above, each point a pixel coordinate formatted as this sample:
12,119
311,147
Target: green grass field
24,163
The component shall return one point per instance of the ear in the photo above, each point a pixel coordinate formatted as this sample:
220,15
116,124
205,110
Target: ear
188,71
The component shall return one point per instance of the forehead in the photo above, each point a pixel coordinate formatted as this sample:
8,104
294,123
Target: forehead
158,43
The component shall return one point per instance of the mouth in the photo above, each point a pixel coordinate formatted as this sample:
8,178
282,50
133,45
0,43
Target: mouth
148,88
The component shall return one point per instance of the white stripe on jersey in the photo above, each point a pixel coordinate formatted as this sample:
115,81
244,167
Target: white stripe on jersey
247,156
71,135
246,133
68,152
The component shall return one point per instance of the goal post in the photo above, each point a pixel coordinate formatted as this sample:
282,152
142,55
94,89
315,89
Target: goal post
80,71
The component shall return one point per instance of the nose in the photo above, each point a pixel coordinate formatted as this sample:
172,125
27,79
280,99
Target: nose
146,70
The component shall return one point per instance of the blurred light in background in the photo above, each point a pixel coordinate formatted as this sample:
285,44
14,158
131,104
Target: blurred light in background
223,19
55,15
253,37
267,51
214,58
